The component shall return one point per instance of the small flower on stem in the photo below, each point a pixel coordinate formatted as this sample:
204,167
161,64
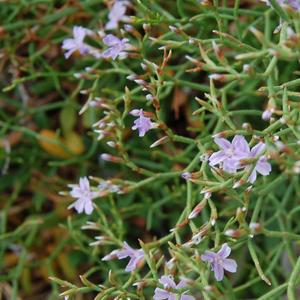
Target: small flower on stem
117,14
84,195
136,256
142,123
166,293
116,46
230,154
77,43
219,261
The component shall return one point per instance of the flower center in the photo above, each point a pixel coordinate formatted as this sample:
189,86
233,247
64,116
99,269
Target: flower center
229,151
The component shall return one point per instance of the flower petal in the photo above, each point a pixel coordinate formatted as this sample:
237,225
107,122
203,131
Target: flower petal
112,24
219,271
208,256
182,283
69,44
84,183
217,157
240,144
252,176
79,33
230,166
258,149
263,167
88,207
222,143
79,205
160,294
187,297
111,40
108,53
229,265
131,266
167,281
224,251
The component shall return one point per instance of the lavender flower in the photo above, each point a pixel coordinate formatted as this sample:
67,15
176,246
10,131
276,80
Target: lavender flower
168,283
142,123
262,166
116,48
230,154
219,261
136,256
77,43
117,14
83,192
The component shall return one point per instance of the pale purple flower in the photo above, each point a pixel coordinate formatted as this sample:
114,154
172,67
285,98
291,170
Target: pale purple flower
262,166
166,293
136,256
219,261
84,195
142,123
116,46
117,14
230,154
77,43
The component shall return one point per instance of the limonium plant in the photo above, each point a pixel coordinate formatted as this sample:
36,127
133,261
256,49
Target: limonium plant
189,187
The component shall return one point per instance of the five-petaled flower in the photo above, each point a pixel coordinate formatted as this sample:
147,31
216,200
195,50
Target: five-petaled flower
136,256
230,154
116,46
170,287
77,43
219,261
117,14
142,123
84,195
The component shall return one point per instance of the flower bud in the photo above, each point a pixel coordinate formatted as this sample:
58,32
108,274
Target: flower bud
111,158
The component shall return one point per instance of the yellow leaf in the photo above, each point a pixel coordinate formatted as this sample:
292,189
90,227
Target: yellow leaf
74,143
61,147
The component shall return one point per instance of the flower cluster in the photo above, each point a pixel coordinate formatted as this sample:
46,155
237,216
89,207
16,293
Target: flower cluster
231,155
235,156
116,47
